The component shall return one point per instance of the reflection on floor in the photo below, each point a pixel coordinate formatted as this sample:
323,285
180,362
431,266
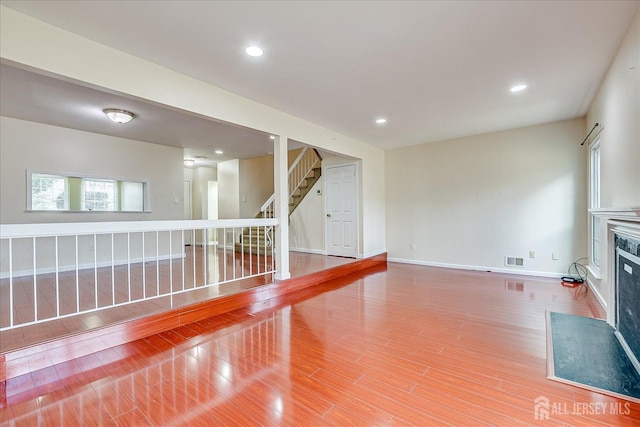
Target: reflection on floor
127,283
411,346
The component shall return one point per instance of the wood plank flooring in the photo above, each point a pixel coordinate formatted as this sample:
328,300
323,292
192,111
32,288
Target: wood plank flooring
127,284
408,345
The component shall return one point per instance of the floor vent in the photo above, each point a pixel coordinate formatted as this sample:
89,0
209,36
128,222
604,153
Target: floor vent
511,261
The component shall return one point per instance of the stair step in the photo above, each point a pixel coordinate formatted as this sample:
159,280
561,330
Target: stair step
253,249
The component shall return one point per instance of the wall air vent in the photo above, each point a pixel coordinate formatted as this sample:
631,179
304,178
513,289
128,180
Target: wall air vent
511,261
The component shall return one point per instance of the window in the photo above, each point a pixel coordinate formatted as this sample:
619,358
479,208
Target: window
76,193
49,192
131,196
99,195
594,202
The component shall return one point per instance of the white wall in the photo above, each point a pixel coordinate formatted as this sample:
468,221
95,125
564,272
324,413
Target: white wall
33,43
229,189
306,223
44,148
616,108
468,202
200,189
255,184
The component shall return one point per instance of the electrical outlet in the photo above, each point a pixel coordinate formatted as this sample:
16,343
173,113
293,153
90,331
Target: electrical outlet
532,254
412,247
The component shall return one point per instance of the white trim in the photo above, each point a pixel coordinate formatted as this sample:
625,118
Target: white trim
628,226
81,228
594,271
371,254
67,212
281,276
631,257
628,213
87,266
597,294
146,203
632,357
308,251
517,271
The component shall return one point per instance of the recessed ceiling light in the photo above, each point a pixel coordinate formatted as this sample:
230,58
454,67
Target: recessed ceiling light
189,162
272,137
218,151
254,51
119,116
381,121
518,88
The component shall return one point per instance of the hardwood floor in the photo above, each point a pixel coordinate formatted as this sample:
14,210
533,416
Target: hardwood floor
128,283
408,345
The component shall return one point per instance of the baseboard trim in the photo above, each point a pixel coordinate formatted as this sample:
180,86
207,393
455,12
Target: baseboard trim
518,272
372,254
308,251
597,294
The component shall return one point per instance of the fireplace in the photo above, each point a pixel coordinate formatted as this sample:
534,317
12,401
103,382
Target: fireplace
626,314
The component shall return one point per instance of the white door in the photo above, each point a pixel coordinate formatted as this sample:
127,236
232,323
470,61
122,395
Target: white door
341,210
187,210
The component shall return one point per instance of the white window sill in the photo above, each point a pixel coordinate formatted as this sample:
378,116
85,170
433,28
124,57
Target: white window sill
594,272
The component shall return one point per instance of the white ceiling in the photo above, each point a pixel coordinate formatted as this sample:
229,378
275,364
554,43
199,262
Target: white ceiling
44,99
435,69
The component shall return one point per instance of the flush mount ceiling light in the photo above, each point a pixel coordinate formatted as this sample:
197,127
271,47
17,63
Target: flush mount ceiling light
381,121
254,51
518,88
119,116
189,162
218,151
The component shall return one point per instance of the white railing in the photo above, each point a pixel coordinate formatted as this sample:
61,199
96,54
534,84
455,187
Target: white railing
298,172
52,271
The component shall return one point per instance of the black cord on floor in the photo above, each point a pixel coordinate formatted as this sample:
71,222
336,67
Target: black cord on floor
577,272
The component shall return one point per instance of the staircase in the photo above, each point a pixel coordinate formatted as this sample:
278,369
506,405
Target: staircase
303,174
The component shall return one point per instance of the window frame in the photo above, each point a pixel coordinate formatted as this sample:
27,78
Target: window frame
114,201
30,191
595,164
146,193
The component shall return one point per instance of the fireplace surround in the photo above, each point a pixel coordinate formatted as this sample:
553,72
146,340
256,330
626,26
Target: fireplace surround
623,276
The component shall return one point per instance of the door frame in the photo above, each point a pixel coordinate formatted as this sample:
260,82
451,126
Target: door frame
325,194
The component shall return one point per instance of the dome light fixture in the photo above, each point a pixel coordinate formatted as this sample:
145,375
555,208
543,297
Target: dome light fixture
518,88
381,121
119,116
219,152
254,51
189,162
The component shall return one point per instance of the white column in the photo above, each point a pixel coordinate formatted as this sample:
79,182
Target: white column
281,185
